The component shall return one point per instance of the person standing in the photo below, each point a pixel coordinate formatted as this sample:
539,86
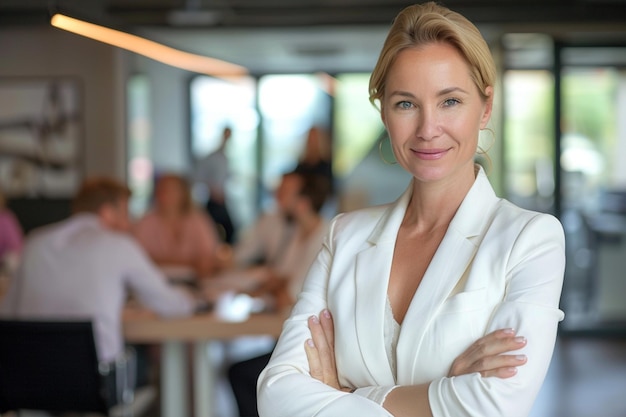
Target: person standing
316,157
446,301
213,170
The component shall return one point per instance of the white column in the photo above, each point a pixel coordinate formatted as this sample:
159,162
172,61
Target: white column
203,380
174,380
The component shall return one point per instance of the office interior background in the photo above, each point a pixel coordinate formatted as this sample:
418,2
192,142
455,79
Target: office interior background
557,141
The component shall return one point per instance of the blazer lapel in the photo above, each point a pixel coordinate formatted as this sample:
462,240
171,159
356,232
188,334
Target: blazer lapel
372,269
453,257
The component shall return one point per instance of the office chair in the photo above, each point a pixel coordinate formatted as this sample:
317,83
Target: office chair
53,366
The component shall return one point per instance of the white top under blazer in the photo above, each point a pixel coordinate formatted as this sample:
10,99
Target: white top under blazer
498,266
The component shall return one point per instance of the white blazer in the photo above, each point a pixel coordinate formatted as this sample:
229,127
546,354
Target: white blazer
498,266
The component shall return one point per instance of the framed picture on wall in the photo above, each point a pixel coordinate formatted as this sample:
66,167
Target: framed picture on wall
41,137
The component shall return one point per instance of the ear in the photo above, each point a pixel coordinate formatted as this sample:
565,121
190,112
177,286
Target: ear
488,107
382,116
106,215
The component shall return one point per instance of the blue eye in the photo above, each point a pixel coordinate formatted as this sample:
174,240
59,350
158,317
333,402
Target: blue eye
404,105
450,102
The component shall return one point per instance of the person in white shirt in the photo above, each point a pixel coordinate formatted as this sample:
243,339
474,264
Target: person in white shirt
82,268
278,248
262,242
301,196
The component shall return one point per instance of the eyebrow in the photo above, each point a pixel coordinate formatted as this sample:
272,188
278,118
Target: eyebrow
447,91
443,92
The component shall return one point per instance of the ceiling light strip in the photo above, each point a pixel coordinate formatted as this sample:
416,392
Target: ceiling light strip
154,50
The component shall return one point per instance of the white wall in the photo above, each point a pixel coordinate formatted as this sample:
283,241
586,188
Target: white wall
46,51
103,70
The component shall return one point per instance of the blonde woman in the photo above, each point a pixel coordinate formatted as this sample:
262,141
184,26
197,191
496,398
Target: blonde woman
445,302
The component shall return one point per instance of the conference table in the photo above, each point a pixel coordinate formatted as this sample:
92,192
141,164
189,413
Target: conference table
175,336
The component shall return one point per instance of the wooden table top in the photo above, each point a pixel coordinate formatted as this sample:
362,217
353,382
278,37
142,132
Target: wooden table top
140,326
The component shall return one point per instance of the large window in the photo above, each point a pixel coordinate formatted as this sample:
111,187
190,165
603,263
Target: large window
593,152
289,105
270,119
529,134
587,87
216,104
357,123
590,139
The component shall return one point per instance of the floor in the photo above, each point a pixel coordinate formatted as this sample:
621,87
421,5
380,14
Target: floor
587,378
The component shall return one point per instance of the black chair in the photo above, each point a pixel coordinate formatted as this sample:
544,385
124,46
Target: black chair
53,366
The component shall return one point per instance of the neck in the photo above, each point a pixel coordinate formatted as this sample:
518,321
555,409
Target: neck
308,223
434,204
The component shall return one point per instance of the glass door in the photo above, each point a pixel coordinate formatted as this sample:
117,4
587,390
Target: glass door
593,186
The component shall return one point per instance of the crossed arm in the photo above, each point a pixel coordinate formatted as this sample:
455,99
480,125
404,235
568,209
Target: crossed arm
486,356
480,381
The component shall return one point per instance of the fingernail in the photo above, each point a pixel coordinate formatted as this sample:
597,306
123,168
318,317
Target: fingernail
509,331
310,343
326,313
520,357
512,370
520,339
314,319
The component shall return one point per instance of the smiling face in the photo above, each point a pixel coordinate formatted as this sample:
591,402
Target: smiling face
433,112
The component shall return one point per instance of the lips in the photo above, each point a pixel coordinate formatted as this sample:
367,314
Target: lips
430,154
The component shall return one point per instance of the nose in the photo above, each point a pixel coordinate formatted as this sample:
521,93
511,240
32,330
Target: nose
428,126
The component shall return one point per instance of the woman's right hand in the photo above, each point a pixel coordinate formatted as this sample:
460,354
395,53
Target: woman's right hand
486,355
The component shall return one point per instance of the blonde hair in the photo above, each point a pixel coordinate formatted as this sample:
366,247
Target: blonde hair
427,23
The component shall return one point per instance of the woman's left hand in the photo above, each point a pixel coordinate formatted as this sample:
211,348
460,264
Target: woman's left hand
320,350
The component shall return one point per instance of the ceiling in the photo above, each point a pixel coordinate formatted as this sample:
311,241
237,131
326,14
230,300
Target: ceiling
310,35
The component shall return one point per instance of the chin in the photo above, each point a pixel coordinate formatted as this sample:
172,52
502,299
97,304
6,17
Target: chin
432,174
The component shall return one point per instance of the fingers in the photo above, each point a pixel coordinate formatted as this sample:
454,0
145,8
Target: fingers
495,343
499,341
320,350
503,366
328,326
313,357
326,322
486,355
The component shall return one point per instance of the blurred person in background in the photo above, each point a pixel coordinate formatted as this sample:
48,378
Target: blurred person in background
213,171
83,267
300,197
179,237
11,239
316,156
271,243
263,242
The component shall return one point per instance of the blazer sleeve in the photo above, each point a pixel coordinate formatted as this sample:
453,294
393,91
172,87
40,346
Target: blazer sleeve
285,387
534,273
